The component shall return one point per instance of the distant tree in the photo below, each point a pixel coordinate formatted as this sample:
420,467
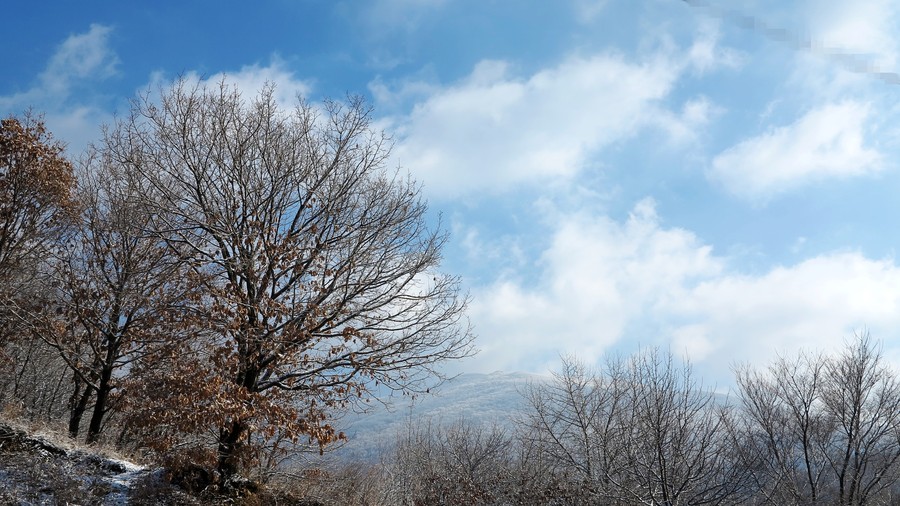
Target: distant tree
825,429
319,263
783,408
574,423
460,463
641,431
677,443
863,396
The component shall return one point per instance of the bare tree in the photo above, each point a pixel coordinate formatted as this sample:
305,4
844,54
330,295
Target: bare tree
825,429
574,421
321,264
34,381
641,431
114,293
460,463
782,408
678,444
122,292
863,396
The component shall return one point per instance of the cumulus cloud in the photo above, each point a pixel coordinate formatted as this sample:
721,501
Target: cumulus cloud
498,127
815,305
494,129
600,279
827,142
597,276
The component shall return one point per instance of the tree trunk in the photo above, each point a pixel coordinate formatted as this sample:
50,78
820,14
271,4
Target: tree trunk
103,391
78,405
229,446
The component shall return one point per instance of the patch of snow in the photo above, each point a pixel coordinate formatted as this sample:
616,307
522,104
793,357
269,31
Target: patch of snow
126,474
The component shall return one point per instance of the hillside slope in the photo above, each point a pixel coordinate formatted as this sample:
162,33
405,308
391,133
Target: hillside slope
481,399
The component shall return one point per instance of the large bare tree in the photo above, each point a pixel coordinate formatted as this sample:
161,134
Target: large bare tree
321,263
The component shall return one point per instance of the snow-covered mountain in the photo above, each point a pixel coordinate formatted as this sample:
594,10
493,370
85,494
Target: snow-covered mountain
485,399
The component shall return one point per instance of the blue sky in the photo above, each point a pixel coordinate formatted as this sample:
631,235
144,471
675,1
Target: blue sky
715,177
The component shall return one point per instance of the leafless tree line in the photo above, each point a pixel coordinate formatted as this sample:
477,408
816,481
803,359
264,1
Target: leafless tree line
813,429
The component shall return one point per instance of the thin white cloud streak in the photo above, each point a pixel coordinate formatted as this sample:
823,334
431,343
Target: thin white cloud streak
826,142
80,57
587,11
600,279
84,57
384,17
384,22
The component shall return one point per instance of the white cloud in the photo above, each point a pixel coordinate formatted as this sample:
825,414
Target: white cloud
827,142
847,47
588,10
391,96
250,79
81,58
498,127
77,126
706,53
387,15
597,277
814,305
494,129
605,284
866,28
689,123
388,27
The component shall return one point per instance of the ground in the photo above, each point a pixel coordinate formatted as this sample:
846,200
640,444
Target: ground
41,469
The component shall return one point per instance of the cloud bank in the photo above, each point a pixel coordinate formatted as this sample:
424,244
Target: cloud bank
601,279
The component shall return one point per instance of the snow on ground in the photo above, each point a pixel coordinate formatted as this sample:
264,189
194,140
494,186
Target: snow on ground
43,469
